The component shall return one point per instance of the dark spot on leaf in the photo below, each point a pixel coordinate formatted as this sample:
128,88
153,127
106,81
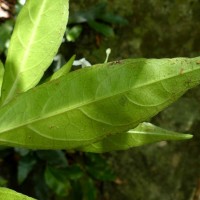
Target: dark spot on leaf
122,101
116,62
57,82
188,83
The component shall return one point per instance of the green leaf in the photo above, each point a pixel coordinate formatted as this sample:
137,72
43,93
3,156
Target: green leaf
64,69
8,194
74,172
3,182
144,133
25,166
104,29
56,180
40,187
36,38
73,33
113,19
87,105
5,32
88,188
1,74
22,152
91,13
54,158
98,168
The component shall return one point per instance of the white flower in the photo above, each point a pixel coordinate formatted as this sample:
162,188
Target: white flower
83,62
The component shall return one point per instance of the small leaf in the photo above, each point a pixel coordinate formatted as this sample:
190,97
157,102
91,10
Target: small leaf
40,188
73,33
8,194
57,182
64,69
90,104
85,16
5,32
22,152
36,38
73,172
144,133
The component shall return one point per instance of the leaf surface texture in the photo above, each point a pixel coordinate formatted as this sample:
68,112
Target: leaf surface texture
36,38
144,133
87,105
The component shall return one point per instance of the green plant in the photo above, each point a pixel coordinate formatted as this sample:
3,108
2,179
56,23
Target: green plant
91,109
97,17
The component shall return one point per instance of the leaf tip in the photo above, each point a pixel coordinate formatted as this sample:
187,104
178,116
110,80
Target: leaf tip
187,136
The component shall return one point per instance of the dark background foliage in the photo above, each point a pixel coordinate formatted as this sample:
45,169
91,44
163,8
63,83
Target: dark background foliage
166,170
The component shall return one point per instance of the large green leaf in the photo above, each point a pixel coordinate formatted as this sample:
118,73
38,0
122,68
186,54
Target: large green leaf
1,74
89,104
101,28
8,194
144,133
36,38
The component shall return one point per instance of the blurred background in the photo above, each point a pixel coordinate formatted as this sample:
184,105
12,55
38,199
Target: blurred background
161,171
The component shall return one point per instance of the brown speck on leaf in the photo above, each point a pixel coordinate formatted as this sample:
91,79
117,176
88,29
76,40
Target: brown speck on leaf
57,82
198,62
51,127
116,62
181,71
188,83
